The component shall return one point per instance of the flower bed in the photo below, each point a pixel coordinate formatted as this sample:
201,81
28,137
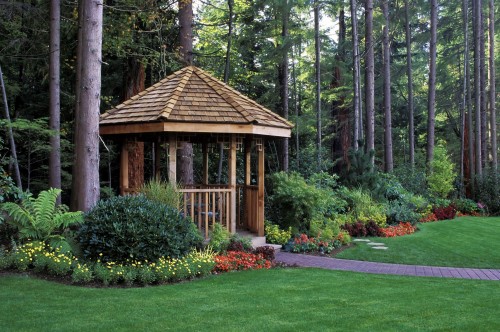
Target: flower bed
404,228
240,260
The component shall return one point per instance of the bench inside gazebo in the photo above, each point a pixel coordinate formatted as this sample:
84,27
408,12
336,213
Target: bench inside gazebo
191,106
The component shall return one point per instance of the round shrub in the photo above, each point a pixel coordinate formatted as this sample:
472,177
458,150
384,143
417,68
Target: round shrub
136,229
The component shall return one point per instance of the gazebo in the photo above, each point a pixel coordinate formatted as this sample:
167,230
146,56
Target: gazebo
192,106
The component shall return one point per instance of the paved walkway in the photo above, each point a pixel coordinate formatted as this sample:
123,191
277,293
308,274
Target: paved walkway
385,268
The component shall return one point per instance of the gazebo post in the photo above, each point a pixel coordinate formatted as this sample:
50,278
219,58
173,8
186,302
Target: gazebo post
232,182
124,168
260,182
172,161
157,156
205,162
248,179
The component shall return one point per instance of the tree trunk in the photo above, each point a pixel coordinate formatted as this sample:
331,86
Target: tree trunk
341,132
283,81
17,174
87,135
409,73
356,75
469,122
477,83
54,96
185,149
431,98
482,75
464,139
492,91
317,48
389,165
369,79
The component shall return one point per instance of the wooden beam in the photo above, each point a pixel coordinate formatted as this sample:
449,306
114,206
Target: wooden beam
248,161
124,168
232,182
186,127
260,199
172,161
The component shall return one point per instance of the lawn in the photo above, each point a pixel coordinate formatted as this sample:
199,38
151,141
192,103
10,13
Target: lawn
462,242
262,300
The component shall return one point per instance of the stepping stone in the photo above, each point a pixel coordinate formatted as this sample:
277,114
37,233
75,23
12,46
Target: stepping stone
360,240
380,248
375,244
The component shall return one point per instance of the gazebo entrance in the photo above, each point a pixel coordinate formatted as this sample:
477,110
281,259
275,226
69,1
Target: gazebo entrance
190,106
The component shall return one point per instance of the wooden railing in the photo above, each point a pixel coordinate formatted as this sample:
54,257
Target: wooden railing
207,205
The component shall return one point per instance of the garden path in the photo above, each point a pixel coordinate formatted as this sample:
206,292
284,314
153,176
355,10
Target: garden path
386,268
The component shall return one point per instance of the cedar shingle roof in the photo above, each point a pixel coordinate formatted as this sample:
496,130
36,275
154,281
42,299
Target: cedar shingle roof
191,95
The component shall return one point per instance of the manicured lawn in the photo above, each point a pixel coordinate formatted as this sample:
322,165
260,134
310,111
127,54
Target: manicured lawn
462,242
264,300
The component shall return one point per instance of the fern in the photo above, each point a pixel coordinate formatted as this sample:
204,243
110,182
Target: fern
41,219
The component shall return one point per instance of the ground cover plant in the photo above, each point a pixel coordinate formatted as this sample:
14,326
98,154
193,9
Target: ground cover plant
461,242
261,300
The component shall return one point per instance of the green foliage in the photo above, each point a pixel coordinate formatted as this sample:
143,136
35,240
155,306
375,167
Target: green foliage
442,175
134,227
400,211
412,179
162,192
275,235
324,229
465,205
41,219
219,238
361,173
295,203
488,190
362,207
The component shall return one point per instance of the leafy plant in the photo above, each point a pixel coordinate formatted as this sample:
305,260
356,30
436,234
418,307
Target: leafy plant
219,238
275,235
360,229
134,227
442,175
445,213
488,190
163,192
42,219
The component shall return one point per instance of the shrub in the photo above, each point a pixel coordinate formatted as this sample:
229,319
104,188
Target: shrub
398,211
42,219
324,229
488,190
442,175
133,227
362,207
239,243
219,238
82,273
344,237
429,218
445,213
360,229
266,251
294,202
275,235
413,179
466,206
162,192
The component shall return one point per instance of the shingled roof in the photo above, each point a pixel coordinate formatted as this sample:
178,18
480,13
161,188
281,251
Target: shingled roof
191,100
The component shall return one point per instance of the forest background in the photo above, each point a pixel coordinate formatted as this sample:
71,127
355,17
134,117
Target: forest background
366,83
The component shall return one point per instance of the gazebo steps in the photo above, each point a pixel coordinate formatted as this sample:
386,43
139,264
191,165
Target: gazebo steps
258,241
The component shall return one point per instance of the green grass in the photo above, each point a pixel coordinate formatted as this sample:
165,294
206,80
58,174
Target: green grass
264,300
462,242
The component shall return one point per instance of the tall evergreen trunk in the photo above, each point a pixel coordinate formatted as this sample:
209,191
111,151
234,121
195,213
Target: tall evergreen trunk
297,94
482,75
54,96
318,82
283,81
431,98
340,117
389,164
12,142
227,67
134,83
86,189
369,79
469,131
492,90
409,74
477,83
185,149
356,76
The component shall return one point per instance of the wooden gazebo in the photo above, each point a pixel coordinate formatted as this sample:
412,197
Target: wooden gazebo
192,106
